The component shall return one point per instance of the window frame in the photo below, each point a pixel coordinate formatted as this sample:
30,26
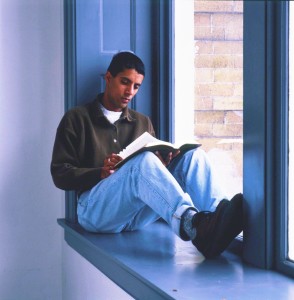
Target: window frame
266,134
282,262
265,163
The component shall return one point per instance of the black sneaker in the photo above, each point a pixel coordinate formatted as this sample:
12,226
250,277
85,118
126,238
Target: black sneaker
216,230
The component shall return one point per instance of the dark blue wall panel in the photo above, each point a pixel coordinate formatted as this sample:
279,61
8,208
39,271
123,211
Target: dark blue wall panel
102,29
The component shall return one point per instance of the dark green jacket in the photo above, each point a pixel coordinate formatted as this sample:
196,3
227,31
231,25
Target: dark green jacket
85,137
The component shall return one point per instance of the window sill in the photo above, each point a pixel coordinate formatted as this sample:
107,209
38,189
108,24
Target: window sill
155,264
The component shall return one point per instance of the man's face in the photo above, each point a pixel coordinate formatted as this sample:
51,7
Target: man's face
121,89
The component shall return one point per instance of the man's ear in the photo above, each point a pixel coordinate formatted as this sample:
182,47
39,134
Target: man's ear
107,76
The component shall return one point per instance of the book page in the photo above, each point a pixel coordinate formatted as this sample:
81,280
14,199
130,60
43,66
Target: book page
137,144
146,142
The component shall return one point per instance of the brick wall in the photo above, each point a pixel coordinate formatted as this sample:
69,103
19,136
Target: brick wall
218,101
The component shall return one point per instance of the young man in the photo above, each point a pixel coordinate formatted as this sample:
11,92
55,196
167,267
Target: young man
180,188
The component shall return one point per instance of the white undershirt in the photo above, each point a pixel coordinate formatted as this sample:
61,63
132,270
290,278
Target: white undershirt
112,116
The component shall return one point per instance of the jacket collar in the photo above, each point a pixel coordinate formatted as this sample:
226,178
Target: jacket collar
98,114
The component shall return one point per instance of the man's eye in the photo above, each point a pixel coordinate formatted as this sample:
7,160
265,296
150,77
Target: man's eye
136,87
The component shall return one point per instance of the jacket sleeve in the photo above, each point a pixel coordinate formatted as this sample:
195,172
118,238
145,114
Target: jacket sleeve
150,127
66,170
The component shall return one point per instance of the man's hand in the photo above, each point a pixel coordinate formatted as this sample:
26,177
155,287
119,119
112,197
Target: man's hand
109,162
167,159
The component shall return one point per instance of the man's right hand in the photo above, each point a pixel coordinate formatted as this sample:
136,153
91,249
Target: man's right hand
109,162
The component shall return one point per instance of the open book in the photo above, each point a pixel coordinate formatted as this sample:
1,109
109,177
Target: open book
147,142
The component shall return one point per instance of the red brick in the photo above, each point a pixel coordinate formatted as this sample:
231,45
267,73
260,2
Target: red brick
203,103
228,103
238,90
204,47
219,89
227,130
202,20
238,6
208,33
228,75
215,61
228,47
213,6
209,117
204,75
203,130
214,89
234,34
238,61
234,117
227,20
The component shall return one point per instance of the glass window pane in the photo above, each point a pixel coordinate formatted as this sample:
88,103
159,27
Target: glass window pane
218,96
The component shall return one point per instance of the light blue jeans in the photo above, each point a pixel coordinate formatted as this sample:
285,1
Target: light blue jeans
143,190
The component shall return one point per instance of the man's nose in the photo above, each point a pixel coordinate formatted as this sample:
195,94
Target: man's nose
130,90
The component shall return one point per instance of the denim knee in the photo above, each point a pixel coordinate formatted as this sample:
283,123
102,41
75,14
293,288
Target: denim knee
147,158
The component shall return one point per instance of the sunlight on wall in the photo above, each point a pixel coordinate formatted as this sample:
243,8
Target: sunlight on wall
184,70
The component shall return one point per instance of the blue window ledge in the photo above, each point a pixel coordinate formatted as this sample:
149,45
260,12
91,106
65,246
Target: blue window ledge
155,264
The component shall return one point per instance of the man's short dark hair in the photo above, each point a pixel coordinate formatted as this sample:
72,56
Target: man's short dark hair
126,60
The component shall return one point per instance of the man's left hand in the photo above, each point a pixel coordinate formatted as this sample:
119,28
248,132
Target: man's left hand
168,158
